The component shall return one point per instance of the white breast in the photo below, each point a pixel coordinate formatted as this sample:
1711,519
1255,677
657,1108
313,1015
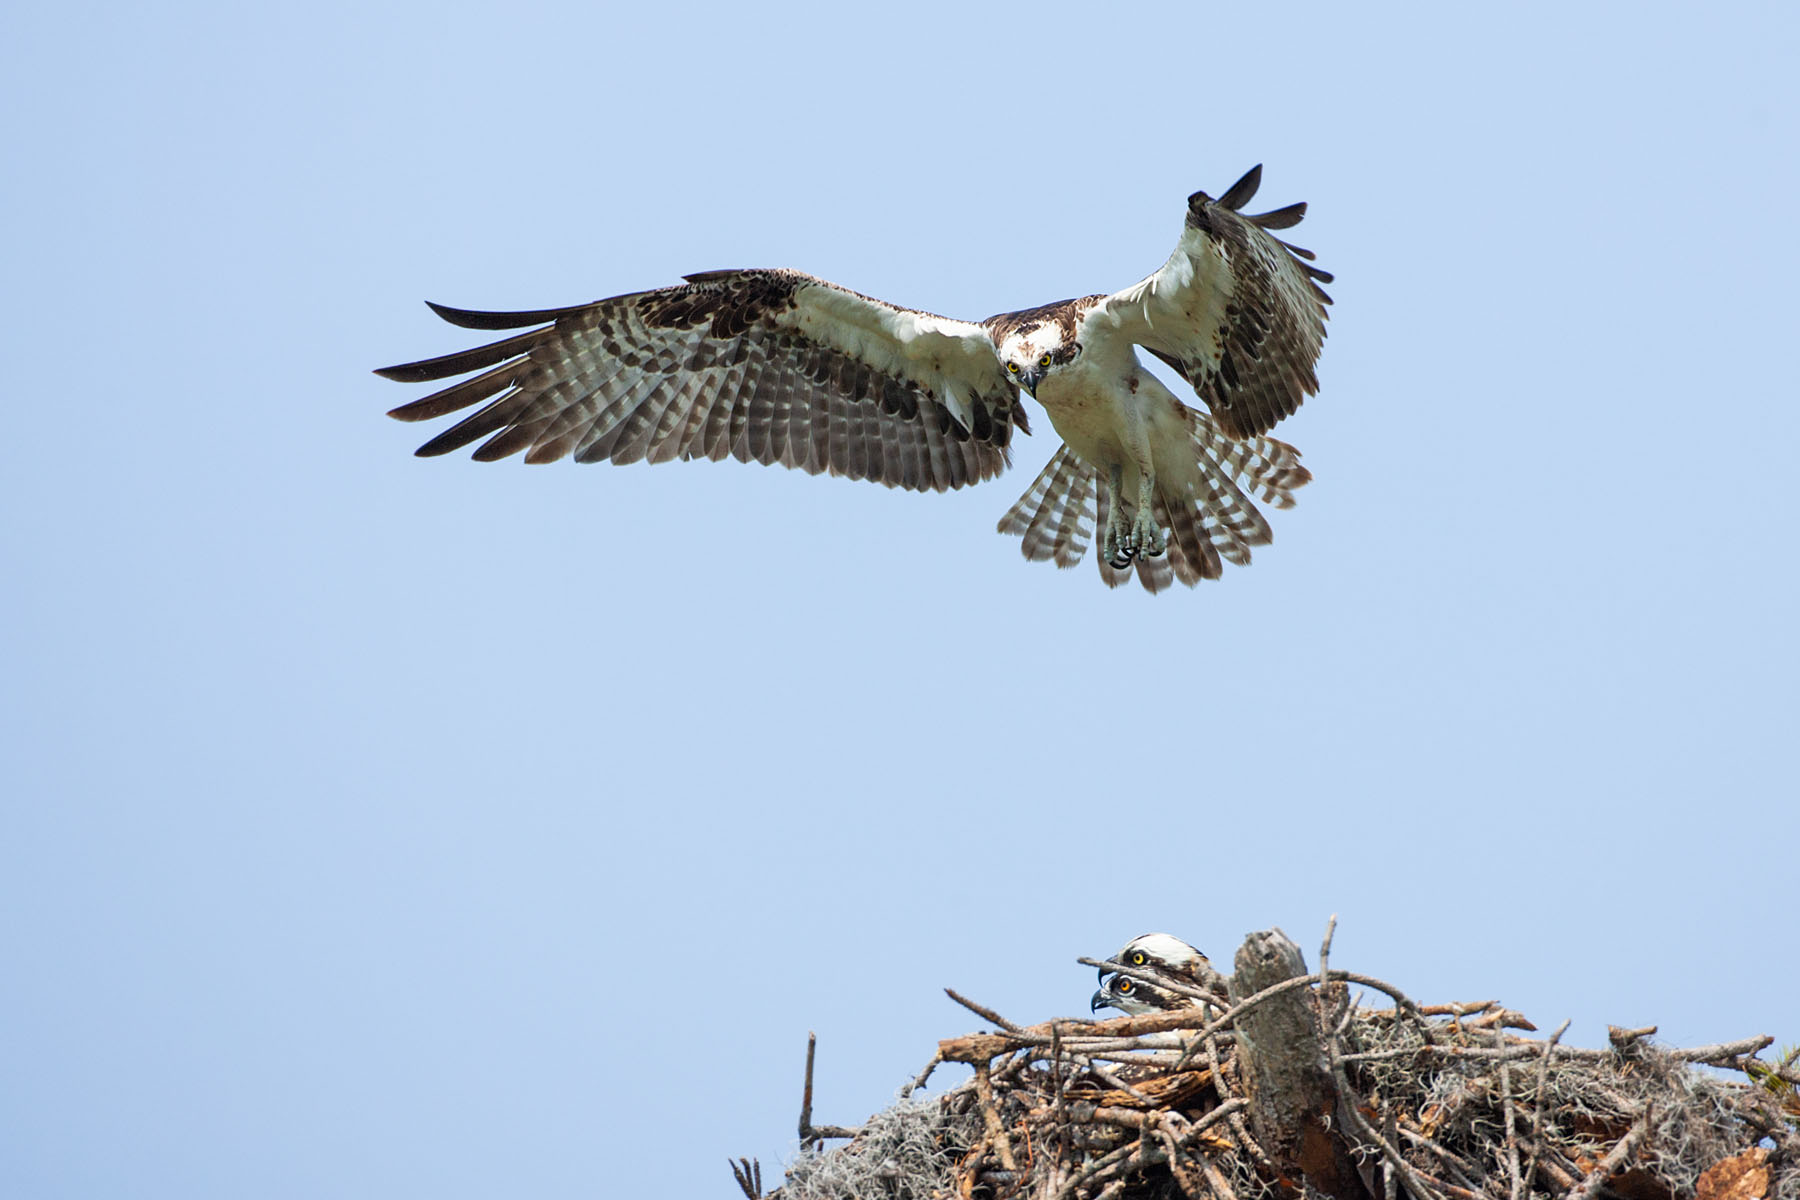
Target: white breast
1103,403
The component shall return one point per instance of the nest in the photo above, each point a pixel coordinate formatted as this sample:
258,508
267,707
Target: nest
1444,1102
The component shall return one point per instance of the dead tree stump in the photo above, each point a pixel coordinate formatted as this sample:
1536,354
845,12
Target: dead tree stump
1293,1101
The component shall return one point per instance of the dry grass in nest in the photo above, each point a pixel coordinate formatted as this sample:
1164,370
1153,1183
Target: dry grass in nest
1445,1102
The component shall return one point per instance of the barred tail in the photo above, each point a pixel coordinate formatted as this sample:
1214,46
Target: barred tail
1228,519
1055,515
1217,523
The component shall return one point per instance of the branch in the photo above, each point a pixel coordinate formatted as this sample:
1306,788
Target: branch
985,1013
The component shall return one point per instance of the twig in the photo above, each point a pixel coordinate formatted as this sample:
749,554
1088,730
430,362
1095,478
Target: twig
1103,1165
1243,1006
1239,1127
1215,1180
985,1013
919,1079
1615,1158
748,1173
990,1116
1391,1131
1226,1111
1512,1132
1456,1164
1537,1100
1724,1054
1467,1008
1179,1167
1450,1189
1325,946
1347,1109
806,1134
1551,1164
811,1134
1148,975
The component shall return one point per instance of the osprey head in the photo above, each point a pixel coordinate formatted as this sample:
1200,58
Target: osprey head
1030,354
1134,996
1160,954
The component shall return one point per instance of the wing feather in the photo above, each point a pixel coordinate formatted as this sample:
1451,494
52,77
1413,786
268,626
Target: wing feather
762,366
1238,312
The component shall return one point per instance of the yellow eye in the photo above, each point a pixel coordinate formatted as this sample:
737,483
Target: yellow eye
1044,361
1012,368
1137,958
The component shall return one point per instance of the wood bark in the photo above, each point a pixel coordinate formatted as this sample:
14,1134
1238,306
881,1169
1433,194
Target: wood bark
1293,1101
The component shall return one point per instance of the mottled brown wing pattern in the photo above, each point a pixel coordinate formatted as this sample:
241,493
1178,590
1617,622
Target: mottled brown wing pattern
738,364
1237,311
1274,318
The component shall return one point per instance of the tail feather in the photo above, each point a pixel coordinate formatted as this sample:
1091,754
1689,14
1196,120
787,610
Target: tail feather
1054,515
1217,522
1269,467
1191,552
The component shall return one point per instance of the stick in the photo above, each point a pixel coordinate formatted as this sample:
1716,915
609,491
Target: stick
806,1137
811,1134
1149,976
985,1013
1537,1101
748,1173
1615,1158
990,1116
919,1079
1512,1132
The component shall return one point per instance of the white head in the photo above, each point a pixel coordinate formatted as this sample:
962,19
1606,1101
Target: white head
1160,954
1160,950
1030,351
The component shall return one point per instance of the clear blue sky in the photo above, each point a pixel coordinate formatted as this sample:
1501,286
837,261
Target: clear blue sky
380,827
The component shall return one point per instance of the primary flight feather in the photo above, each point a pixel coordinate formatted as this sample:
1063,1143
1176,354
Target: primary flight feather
776,366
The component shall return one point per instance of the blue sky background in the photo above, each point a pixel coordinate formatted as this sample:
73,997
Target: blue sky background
377,827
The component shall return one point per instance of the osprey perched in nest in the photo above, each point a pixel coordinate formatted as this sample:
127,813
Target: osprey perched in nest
1168,960
775,366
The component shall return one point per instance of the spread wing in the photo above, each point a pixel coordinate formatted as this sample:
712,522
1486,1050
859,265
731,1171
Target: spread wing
761,366
1236,310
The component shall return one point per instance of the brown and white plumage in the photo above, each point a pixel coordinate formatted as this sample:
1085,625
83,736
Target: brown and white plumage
1165,973
762,366
776,366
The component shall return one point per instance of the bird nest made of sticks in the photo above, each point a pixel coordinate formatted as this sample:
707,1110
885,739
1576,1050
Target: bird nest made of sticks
1432,1102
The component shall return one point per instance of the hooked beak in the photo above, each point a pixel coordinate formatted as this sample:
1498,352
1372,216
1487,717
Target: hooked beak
1028,379
1099,1002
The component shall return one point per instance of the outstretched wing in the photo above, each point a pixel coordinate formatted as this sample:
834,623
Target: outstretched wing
1236,310
761,366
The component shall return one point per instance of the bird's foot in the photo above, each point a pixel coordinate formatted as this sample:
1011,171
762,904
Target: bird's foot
1118,543
1147,534
1125,540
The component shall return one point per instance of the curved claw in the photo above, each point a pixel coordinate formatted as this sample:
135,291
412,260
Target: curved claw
1122,559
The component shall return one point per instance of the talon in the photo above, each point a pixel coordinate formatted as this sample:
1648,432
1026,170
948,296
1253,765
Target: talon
1122,559
1147,534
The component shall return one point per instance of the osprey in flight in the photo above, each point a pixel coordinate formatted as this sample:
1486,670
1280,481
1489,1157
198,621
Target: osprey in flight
775,366
1171,961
